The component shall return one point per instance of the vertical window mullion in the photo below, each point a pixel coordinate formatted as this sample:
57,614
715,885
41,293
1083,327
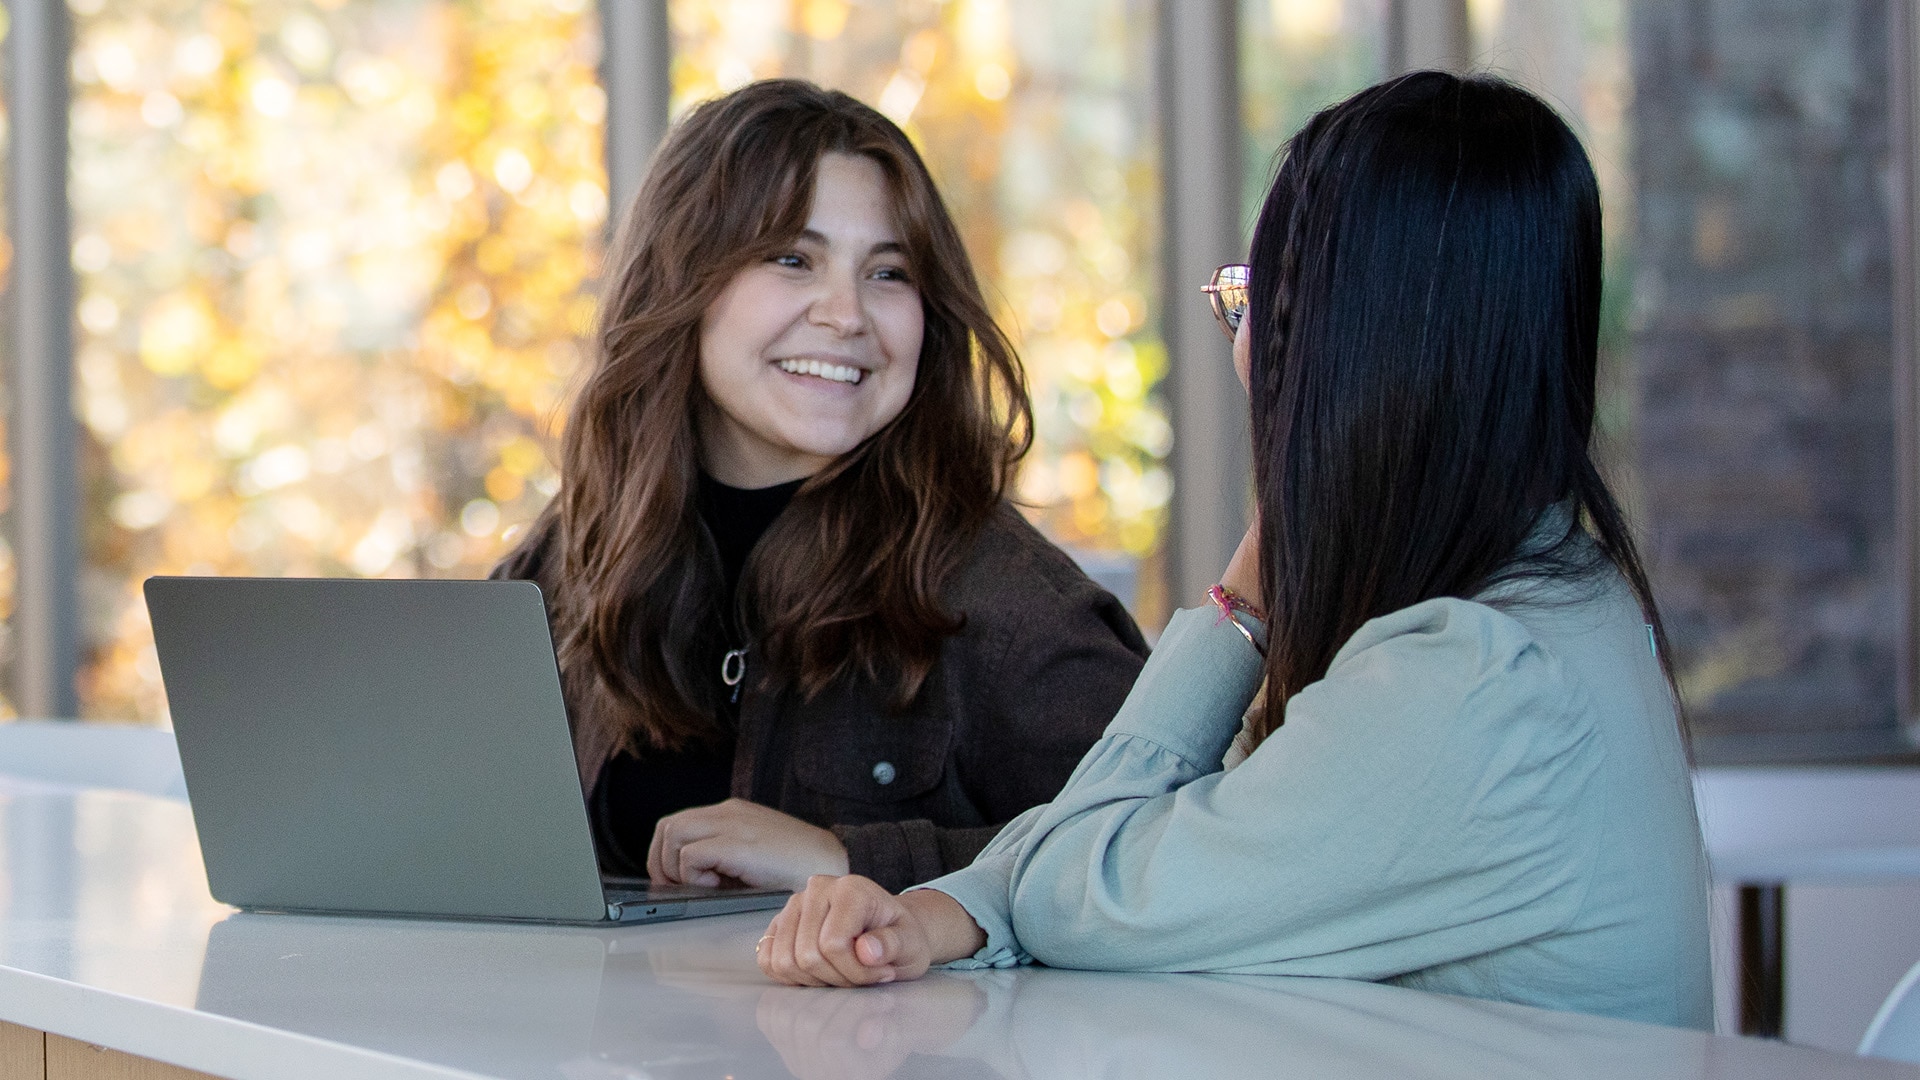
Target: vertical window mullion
1200,132
1904,62
635,74
1428,34
45,500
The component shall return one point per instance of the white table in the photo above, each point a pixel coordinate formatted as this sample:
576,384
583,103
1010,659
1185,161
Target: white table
1767,826
108,936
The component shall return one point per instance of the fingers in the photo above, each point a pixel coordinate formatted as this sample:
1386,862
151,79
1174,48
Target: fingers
900,950
860,934
855,906
656,861
877,948
809,951
672,833
706,863
776,951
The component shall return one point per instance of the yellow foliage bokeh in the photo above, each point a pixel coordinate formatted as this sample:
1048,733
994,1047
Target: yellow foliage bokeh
337,257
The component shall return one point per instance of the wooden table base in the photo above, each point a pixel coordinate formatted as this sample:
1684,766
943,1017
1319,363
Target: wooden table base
26,1054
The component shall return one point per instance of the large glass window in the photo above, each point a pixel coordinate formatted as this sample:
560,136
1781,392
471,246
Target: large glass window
1297,57
1761,326
1746,403
1575,56
1036,121
334,259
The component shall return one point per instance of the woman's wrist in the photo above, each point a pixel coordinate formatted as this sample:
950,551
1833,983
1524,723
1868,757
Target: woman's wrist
1242,576
835,859
951,932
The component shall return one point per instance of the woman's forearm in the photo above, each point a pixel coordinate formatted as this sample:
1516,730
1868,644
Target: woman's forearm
951,932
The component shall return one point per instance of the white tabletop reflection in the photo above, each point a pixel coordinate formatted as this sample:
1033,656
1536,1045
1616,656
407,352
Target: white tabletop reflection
107,934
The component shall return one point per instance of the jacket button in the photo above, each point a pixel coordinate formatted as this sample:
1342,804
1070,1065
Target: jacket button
884,773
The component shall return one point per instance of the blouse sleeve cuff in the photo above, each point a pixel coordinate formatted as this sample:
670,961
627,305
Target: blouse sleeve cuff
981,889
1197,684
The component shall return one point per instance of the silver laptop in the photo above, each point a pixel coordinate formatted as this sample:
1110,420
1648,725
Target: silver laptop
388,748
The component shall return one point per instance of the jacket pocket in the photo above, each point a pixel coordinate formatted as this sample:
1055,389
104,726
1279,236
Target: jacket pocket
846,747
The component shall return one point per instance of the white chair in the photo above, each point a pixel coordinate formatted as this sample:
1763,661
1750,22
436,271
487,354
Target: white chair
1895,1031
93,755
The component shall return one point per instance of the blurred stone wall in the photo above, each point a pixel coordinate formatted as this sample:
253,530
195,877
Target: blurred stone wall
1762,351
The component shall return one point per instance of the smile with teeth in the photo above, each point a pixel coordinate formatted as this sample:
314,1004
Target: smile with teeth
821,369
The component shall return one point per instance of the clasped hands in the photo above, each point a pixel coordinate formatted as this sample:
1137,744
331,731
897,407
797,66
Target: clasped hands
849,931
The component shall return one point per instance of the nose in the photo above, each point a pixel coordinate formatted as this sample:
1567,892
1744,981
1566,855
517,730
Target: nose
837,307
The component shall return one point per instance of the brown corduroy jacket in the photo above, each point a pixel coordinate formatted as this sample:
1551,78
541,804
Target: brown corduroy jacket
1017,697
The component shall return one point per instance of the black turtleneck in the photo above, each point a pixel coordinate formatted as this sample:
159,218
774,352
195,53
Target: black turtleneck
634,793
738,518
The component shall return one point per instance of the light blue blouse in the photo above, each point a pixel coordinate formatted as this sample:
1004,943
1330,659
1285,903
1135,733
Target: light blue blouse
1478,800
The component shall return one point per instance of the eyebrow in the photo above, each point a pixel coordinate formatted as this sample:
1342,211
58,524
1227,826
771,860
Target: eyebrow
885,247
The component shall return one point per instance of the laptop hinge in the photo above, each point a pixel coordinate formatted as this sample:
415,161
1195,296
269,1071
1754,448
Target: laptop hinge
655,912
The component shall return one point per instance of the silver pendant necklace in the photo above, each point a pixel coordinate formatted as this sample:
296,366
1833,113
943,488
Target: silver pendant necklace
733,670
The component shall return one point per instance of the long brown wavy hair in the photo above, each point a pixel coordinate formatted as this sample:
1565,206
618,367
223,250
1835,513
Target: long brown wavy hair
846,584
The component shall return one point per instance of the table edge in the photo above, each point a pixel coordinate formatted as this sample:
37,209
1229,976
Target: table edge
222,1046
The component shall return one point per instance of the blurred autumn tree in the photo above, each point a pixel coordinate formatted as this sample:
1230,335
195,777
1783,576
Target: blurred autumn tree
335,258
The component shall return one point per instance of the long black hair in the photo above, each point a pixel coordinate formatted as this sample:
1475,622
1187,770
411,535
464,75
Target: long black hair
1425,332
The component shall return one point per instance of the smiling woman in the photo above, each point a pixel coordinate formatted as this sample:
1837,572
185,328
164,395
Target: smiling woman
781,565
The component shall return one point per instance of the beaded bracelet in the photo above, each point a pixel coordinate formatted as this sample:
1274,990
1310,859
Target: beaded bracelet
1229,602
1231,606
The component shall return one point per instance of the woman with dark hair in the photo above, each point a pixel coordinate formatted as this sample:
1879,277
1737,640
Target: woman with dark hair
781,565
1469,775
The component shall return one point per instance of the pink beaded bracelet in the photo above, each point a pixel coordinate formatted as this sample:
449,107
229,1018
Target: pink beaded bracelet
1230,602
